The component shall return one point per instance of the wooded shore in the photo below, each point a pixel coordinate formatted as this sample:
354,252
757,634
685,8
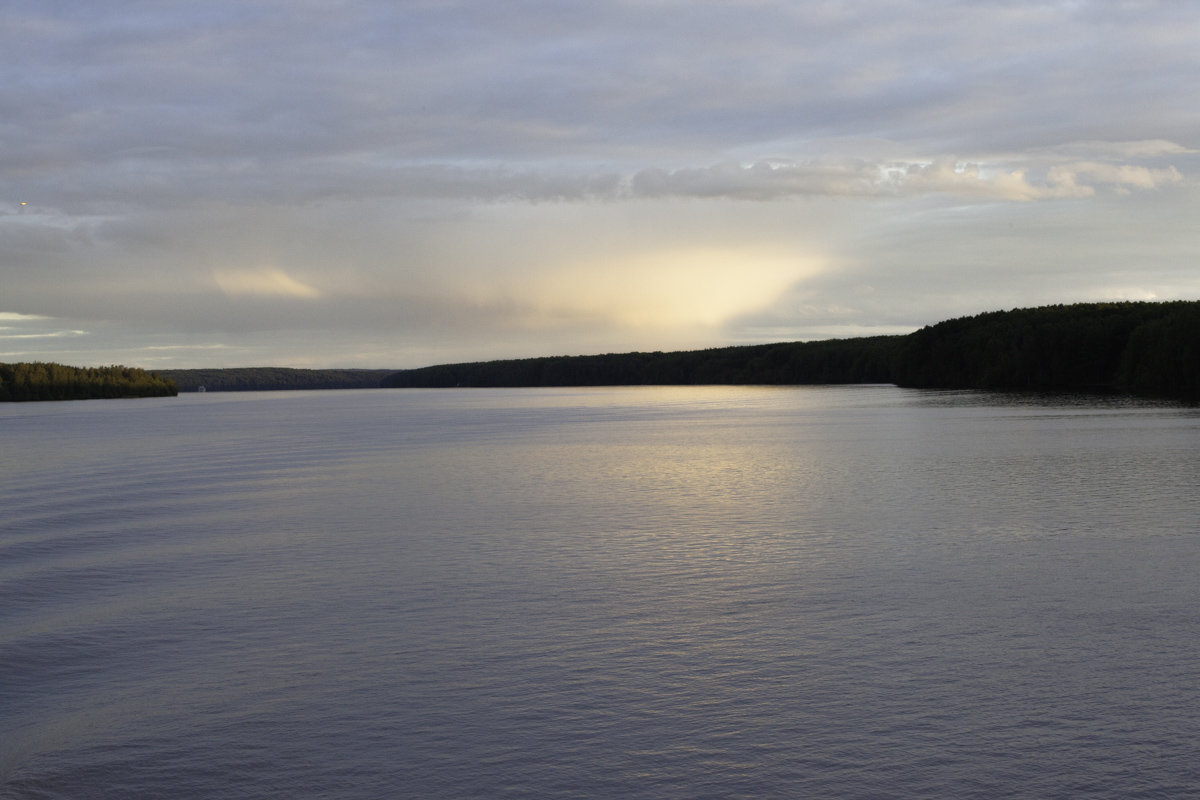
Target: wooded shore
1139,348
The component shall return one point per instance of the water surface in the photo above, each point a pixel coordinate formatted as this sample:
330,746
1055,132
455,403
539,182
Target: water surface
720,592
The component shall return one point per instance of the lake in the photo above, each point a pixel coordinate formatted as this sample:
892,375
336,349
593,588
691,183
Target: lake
657,592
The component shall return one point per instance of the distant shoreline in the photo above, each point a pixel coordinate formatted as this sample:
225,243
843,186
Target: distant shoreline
1147,349
1138,348
259,379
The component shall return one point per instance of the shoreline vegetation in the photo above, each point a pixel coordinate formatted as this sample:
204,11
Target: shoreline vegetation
1141,348
261,379
28,381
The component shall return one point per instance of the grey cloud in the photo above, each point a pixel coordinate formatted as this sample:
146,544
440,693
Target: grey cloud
433,81
762,180
1007,180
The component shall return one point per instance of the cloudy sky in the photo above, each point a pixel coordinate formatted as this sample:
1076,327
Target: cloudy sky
393,183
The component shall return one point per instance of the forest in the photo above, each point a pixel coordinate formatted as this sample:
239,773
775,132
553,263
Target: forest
1150,349
1142,348
1139,348
251,379
864,360
49,381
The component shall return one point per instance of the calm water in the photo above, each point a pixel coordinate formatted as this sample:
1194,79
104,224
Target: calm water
859,592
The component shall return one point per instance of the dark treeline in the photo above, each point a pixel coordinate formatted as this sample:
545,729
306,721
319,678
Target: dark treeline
864,360
49,381
1139,348
247,379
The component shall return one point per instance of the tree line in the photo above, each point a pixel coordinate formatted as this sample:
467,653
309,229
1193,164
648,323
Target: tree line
50,381
1148,349
1138,348
251,379
863,360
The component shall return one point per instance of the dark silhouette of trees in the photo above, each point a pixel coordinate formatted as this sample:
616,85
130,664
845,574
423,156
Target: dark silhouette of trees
1162,356
1140,348
1148,349
259,379
865,360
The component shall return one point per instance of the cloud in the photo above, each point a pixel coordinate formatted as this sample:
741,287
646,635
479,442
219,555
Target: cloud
1149,148
262,283
35,335
761,180
1123,177
50,335
780,179
1071,180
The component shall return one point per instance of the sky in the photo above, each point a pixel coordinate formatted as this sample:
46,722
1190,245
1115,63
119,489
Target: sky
396,183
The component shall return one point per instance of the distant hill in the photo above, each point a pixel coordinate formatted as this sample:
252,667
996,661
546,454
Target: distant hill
251,379
1140,348
864,360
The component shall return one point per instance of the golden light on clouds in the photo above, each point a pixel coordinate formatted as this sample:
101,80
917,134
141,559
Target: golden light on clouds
667,289
262,283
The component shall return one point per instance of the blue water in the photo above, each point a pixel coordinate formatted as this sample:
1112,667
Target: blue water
855,592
